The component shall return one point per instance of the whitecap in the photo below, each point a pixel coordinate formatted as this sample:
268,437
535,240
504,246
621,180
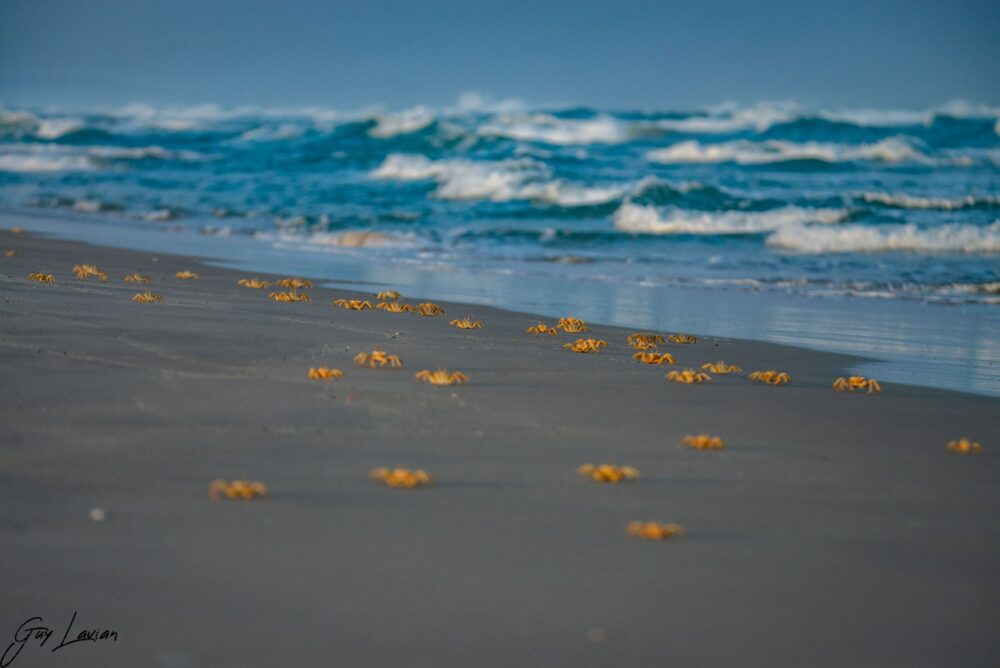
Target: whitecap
549,129
904,201
646,219
407,122
872,239
745,152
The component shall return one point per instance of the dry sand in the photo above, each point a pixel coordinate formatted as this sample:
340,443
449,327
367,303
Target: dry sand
833,530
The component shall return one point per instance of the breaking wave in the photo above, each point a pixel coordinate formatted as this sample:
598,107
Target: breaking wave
903,201
645,219
745,152
871,239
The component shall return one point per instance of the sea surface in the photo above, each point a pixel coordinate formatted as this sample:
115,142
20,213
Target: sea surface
868,231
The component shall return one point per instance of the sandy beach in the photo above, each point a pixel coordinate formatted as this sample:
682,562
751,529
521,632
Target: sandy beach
834,529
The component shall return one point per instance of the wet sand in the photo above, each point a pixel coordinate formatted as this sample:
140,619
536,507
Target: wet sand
834,529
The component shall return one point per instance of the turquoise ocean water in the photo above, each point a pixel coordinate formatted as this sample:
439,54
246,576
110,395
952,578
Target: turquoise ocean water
875,232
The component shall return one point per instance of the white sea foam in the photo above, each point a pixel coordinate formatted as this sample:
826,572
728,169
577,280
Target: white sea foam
53,128
409,121
29,158
645,219
497,181
904,201
549,129
872,239
745,152
728,118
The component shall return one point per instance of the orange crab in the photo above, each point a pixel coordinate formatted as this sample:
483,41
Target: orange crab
11,253
243,490
136,278
400,477
254,283
703,442
16,230
965,446
682,338
856,383
41,278
466,323
721,367
654,358
387,295
653,530
608,473
644,341
294,283
324,373
429,309
441,377
542,328
353,304
394,307
82,271
770,377
377,358
572,325
147,297
186,275
586,345
292,296
689,377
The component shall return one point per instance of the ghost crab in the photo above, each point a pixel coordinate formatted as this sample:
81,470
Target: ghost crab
136,278
654,358
857,383
429,309
586,345
147,297
721,367
467,323
353,304
441,377
83,271
186,275
39,277
770,377
608,473
643,341
324,373
965,446
400,477
289,297
243,490
689,377
254,283
542,328
703,442
294,283
377,358
572,325
653,530
394,307
682,338
387,295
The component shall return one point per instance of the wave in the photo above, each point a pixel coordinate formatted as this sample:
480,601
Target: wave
745,152
644,219
548,129
407,122
903,201
496,181
727,119
36,161
868,239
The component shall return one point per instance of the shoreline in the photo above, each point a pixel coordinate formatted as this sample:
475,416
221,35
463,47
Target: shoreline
833,529
951,346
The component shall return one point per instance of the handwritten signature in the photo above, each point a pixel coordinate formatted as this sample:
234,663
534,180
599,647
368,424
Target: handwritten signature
33,629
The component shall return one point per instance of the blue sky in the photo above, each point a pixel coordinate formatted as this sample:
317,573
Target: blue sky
637,55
